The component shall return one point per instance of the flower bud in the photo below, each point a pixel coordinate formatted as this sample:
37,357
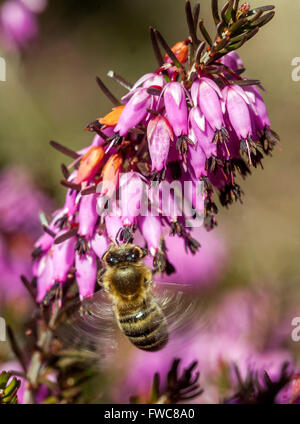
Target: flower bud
89,164
112,118
180,50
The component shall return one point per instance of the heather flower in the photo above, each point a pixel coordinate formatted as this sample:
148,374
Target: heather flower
208,96
159,134
176,107
134,112
232,61
86,272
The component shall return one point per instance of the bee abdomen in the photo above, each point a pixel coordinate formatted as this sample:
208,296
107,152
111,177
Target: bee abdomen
145,328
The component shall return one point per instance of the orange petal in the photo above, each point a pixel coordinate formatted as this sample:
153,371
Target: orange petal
89,164
112,117
110,173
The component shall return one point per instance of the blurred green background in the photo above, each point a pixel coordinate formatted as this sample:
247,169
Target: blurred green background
51,93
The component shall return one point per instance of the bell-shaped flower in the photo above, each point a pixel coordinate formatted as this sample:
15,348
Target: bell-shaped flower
258,107
159,134
207,95
176,107
134,112
131,187
151,230
86,273
99,244
63,258
202,133
87,215
237,106
113,223
197,160
46,278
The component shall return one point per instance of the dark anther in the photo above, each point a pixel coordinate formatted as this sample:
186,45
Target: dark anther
36,253
221,136
158,175
61,222
81,245
182,145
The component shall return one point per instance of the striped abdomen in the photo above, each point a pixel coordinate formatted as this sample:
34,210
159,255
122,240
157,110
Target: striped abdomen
145,327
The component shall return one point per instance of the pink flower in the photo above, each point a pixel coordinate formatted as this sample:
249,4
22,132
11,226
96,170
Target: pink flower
131,189
207,95
86,273
18,24
87,215
176,108
63,259
233,61
237,105
159,134
134,112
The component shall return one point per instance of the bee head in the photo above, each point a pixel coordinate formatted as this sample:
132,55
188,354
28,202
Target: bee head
123,253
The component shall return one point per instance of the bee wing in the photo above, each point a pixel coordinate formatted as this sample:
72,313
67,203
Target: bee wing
90,329
181,308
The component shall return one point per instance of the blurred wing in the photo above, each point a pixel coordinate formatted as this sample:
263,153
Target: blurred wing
181,308
90,330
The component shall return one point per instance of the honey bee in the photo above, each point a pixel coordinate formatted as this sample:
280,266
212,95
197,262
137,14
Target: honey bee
128,298
128,283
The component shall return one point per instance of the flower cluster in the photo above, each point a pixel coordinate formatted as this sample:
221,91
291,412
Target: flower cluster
18,22
194,119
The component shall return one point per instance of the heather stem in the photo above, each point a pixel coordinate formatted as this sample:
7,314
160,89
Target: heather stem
36,363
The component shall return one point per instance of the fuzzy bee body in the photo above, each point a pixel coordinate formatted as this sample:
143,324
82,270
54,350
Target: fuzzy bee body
128,282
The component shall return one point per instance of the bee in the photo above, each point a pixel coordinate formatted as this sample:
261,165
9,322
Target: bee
128,282
147,313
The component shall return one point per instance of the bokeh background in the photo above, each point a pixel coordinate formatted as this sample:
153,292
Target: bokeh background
51,93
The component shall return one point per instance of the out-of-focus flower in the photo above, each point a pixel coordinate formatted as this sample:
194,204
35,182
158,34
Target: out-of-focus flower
18,24
19,226
227,337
